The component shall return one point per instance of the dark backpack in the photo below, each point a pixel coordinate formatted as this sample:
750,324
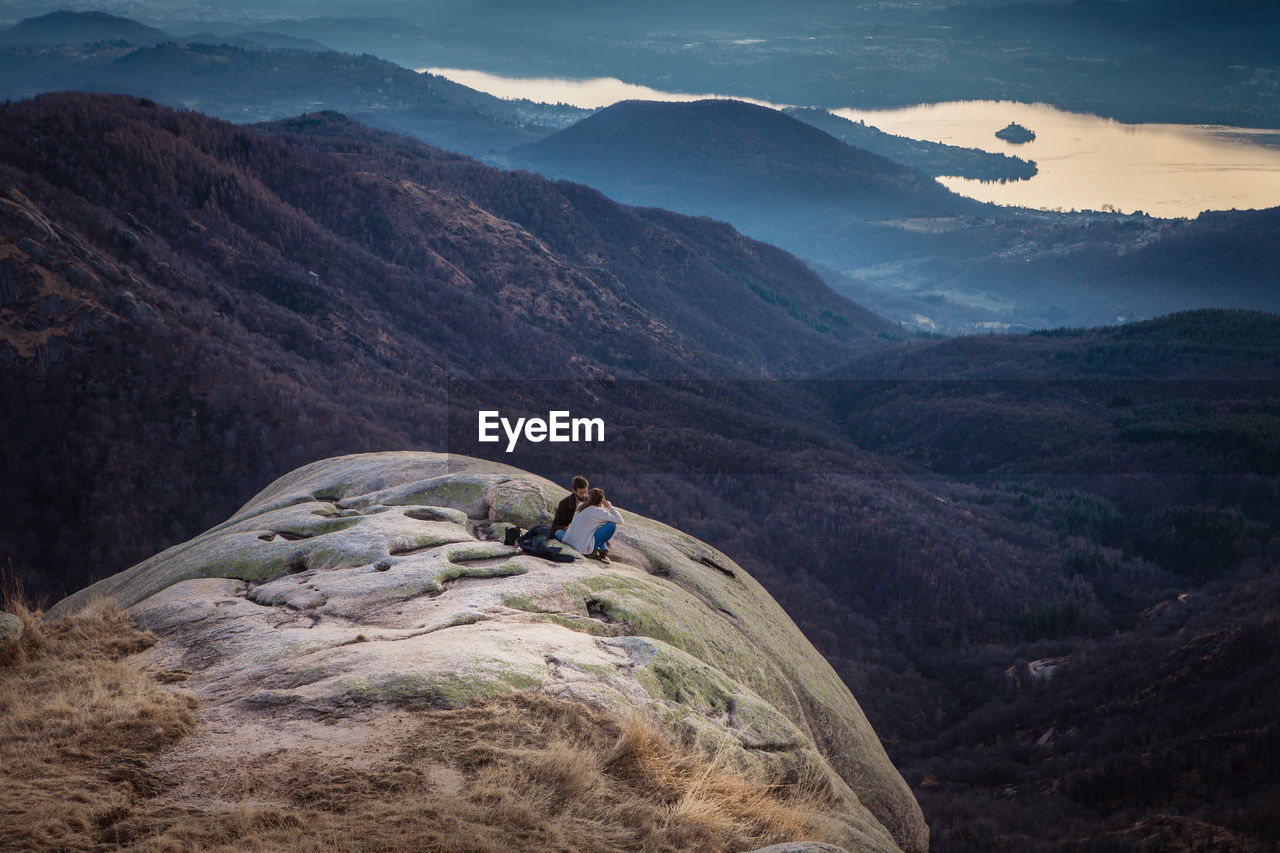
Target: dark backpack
539,542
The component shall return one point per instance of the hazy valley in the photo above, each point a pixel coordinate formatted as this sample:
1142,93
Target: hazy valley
882,233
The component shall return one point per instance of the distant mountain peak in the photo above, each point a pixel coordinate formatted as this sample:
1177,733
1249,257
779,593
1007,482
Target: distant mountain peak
688,123
733,160
67,27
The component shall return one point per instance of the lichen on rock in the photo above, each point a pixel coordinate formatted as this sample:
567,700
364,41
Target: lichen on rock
11,629
368,585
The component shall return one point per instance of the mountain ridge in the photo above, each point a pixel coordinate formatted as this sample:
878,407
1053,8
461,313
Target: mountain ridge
252,76
254,256
674,155
64,27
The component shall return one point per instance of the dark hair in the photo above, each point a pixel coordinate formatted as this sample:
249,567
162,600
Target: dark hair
579,482
595,497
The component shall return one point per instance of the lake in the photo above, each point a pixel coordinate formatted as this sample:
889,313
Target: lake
1089,162
1086,162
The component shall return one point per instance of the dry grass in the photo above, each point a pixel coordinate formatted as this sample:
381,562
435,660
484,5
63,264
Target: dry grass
555,775
530,773
78,728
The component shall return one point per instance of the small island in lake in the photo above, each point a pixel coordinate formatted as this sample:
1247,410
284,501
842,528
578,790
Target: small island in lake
1016,133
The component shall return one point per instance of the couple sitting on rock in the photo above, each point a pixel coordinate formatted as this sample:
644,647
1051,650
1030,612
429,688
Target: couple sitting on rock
585,520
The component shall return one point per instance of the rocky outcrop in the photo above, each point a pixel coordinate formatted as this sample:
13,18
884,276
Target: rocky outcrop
11,629
364,587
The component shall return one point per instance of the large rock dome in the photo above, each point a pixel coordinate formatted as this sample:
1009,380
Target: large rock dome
360,589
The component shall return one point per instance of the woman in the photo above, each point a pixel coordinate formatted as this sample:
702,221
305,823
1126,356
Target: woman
593,523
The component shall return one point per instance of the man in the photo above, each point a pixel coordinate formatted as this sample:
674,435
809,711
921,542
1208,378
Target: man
566,508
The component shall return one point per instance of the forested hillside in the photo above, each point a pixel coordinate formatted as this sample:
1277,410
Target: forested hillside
767,172
180,291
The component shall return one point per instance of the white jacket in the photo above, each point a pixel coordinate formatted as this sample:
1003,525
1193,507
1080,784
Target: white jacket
581,532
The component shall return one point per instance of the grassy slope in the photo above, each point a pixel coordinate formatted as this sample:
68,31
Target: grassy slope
81,726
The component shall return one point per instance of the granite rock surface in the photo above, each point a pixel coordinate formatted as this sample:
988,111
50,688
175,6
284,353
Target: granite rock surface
361,590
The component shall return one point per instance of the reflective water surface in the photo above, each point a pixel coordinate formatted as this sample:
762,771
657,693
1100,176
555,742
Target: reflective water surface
1086,162
589,94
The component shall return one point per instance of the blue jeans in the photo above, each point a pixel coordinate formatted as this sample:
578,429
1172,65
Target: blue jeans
602,534
559,534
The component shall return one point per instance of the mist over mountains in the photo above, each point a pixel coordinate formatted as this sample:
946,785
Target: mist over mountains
881,234
1147,60
949,262
738,162
257,77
